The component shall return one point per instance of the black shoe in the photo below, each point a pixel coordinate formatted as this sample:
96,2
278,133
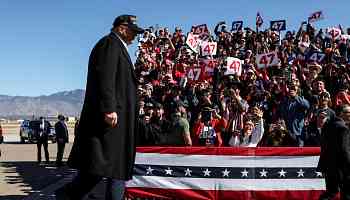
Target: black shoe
61,194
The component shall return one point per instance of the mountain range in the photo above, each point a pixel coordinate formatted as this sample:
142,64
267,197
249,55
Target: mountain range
68,103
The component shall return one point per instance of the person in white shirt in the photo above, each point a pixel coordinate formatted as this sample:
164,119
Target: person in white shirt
42,129
251,134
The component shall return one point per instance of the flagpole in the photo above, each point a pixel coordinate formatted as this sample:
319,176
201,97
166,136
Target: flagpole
279,36
256,23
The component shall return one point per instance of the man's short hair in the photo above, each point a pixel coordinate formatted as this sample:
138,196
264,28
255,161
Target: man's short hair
61,117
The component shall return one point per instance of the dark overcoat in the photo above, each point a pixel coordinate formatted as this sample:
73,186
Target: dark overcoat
61,132
335,149
111,87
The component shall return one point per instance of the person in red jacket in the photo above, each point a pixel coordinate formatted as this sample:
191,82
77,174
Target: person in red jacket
208,127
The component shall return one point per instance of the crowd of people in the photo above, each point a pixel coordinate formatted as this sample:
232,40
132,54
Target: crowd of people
192,94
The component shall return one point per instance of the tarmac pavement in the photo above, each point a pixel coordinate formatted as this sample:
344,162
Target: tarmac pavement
21,177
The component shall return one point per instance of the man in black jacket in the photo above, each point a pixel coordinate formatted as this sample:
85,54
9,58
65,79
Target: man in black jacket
105,145
41,130
61,138
159,126
334,160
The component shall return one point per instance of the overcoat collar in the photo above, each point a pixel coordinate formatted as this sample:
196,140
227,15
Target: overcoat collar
126,54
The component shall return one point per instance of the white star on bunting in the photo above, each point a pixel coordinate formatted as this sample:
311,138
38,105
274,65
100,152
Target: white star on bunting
149,170
263,173
225,173
168,171
318,174
188,172
206,172
282,173
300,173
244,173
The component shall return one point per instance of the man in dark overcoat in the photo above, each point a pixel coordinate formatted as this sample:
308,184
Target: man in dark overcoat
41,130
62,138
105,144
334,162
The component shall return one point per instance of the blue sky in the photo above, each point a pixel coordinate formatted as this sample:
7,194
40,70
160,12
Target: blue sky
45,45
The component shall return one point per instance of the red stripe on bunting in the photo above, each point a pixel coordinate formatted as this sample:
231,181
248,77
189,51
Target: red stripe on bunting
222,195
238,151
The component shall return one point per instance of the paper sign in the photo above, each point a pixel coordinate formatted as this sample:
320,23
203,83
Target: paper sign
193,42
334,33
208,48
237,25
279,25
291,60
201,29
267,59
193,73
234,66
316,57
208,65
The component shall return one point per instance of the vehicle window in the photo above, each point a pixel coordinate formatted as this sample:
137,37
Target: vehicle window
25,124
47,123
34,124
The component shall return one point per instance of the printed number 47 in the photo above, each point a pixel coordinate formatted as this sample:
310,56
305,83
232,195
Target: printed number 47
237,26
235,65
277,25
267,59
209,48
192,42
194,74
317,57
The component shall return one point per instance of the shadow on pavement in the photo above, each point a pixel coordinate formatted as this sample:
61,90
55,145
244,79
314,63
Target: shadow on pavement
11,197
31,177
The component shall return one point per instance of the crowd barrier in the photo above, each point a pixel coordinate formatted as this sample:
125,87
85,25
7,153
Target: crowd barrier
262,173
